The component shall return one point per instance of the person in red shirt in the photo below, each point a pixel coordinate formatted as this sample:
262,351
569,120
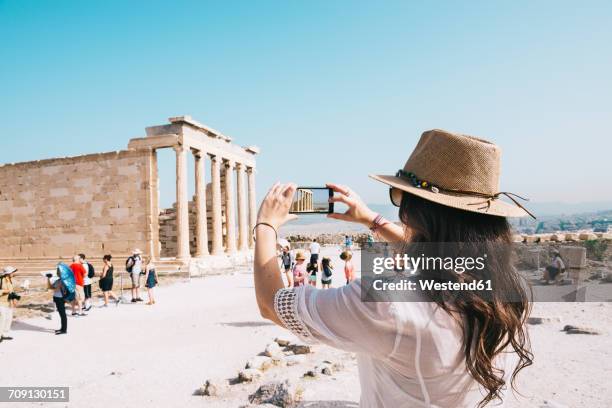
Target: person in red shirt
79,278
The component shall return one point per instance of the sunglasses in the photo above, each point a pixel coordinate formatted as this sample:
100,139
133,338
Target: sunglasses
395,194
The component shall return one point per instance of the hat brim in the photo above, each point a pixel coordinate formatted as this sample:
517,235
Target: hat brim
475,204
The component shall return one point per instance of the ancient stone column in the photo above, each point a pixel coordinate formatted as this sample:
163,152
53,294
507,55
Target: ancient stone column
182,204
230,222
252,205
242,210
217,223
201,232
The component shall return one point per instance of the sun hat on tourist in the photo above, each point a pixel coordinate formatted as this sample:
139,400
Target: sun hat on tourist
458,171
299,256
8,270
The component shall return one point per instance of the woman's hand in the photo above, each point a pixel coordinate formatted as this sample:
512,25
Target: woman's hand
274,208
357,210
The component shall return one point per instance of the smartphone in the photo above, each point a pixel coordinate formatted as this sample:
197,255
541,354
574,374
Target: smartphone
312,200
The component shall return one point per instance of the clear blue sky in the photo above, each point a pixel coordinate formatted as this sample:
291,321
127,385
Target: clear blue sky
329,90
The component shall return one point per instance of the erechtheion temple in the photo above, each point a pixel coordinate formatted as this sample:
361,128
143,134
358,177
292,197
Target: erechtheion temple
109,203
303,201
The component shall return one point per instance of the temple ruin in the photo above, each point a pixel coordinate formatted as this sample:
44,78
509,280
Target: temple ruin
109,203
303,201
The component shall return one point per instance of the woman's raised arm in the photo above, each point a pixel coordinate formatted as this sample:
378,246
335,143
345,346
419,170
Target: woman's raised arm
273,212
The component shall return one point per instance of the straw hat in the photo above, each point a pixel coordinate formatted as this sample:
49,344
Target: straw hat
300,255
346,255
458,171
8,270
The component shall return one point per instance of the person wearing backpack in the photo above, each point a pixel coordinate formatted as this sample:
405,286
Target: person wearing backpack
326,278
59,298
90,272
133,265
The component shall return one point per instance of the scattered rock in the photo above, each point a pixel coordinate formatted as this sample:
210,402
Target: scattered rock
569,329
337,367
543,319
214,388
300,349
282,341
258,406
249,375
314,373
259,363
279,394
273,350
327,370
295,360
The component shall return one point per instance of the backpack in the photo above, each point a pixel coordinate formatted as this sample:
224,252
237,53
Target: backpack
91,271
129,264
67,295
327,272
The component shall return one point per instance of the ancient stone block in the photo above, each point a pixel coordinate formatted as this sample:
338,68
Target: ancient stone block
573,256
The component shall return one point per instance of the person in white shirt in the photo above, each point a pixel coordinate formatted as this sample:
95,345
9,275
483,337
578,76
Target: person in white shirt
86,282
315,249
134,268
556,267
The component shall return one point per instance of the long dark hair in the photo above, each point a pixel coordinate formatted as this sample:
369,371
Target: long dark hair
490,324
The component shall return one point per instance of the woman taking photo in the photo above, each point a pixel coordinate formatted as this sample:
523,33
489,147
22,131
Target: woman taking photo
435,352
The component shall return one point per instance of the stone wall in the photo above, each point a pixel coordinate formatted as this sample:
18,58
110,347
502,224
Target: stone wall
96,204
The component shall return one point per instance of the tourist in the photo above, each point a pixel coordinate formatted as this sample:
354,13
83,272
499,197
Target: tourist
59,293
312,269
287,262
79,278
435,351
556,267
106,281
299,270
315,249
90,272
7,292
348,243
133,266
326,277
349,268
150,281
370,240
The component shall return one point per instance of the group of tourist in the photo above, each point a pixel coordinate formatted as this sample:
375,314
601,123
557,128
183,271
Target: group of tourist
298,272
79,296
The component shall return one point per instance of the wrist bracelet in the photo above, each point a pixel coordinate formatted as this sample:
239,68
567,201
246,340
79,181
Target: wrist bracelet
269,225
378,222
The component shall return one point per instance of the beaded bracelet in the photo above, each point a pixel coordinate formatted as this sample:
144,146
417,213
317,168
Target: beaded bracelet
378,222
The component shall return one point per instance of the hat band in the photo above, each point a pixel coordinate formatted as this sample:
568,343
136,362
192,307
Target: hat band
485,205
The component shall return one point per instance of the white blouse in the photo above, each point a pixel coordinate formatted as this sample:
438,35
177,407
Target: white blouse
409,354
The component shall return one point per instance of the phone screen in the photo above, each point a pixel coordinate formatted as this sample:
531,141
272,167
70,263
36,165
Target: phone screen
312,200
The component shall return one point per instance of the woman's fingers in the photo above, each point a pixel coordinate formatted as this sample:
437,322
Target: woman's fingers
338,188
341,199
271,190
288,190
277,187
339,216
